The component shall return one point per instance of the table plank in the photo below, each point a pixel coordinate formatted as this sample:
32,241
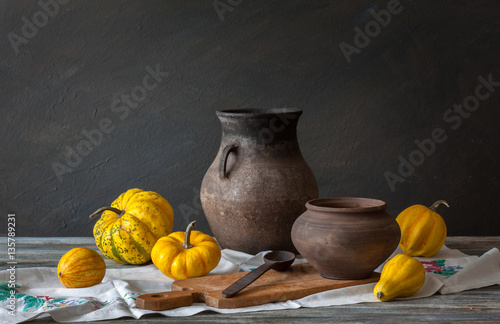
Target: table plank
478,305
46,251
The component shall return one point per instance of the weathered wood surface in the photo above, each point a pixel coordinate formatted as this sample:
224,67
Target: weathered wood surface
478,305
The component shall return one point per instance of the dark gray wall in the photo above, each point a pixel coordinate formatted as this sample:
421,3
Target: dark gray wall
68,70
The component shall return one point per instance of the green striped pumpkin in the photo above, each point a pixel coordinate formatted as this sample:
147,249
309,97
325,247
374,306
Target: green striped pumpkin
128,230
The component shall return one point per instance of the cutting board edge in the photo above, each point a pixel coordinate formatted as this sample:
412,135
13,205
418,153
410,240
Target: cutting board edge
216,300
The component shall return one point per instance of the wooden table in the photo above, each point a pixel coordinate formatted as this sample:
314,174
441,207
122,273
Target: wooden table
478,305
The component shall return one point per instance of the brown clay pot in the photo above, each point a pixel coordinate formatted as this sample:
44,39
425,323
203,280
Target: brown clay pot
346,238
258,183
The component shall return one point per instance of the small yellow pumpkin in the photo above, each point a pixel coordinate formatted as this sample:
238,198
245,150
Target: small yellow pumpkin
128,230
423,231
81,267
189,254
402,276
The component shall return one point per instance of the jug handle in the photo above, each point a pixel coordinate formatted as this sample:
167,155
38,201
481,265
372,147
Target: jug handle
223,159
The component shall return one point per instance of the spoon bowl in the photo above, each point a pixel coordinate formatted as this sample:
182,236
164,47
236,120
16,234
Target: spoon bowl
279,260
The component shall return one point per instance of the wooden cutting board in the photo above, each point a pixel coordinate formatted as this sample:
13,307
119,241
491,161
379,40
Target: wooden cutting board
298,281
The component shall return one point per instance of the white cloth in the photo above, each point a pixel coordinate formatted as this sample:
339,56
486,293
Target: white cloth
39,292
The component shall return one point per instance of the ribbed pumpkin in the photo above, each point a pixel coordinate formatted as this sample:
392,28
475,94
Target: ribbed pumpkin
402,276
128,230
189,254
423,231
81,267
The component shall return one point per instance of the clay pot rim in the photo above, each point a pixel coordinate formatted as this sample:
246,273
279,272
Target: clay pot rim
346,205
255,112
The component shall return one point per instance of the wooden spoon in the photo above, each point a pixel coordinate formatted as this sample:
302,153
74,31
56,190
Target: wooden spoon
276,260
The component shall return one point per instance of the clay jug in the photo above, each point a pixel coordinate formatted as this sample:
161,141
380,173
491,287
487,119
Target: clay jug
258,183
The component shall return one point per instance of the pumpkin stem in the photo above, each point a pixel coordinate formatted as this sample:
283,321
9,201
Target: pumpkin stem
187,244
437,203
117,211
380,295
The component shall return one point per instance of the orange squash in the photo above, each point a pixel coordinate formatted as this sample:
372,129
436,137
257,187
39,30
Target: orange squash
189,254
423,231
402,276
81,267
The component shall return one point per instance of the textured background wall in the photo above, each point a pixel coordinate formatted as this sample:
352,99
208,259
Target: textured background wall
123,94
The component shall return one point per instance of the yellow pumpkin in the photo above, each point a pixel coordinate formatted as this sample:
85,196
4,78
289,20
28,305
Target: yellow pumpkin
81,267
128,230
423,231
189,254
402,276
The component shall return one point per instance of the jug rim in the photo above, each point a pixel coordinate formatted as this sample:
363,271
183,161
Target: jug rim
255,112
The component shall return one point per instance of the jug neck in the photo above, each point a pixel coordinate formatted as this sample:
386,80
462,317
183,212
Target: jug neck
260,126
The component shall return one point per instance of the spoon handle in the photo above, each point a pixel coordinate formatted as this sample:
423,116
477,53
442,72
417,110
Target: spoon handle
244,281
